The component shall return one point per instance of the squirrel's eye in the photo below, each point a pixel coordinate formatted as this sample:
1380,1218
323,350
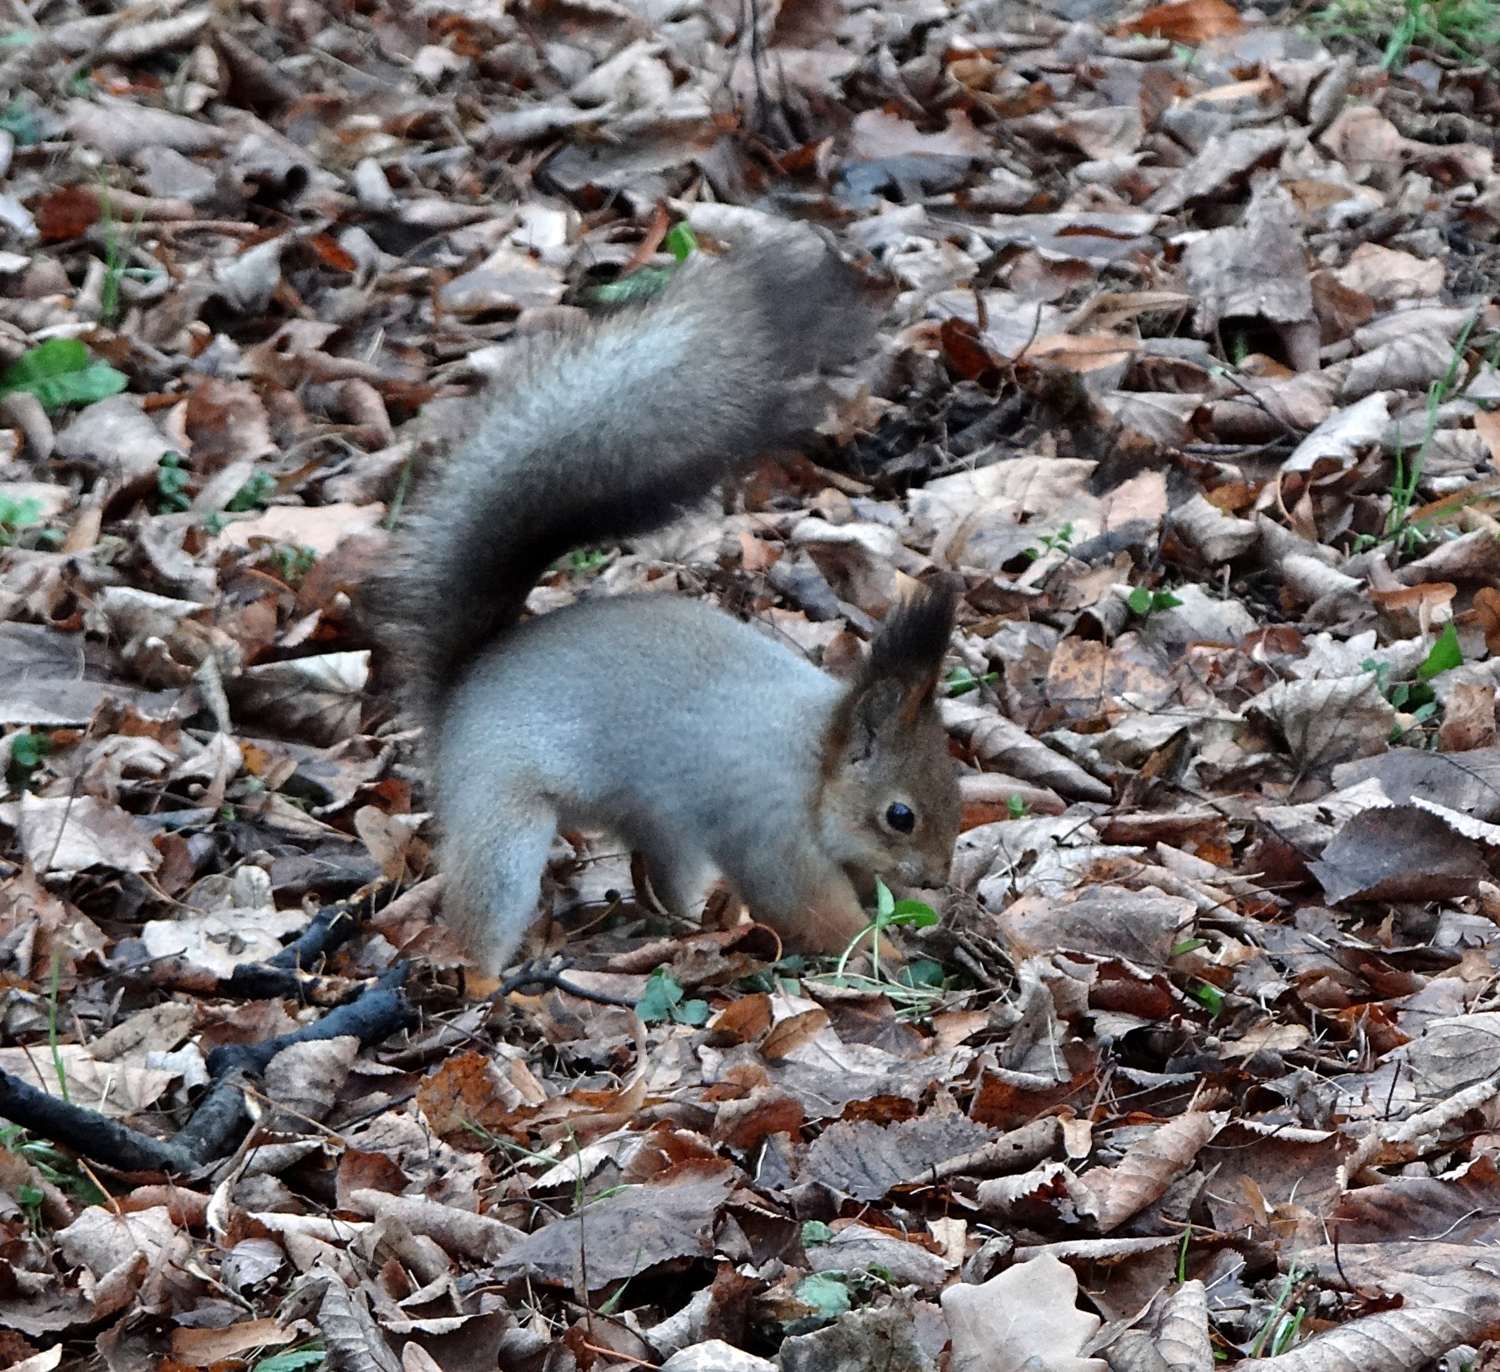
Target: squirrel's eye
901,818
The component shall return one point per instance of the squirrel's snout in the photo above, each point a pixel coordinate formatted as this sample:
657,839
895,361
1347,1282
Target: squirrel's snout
924,872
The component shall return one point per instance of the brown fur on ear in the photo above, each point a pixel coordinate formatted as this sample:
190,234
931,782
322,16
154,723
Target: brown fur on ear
913,641
917,697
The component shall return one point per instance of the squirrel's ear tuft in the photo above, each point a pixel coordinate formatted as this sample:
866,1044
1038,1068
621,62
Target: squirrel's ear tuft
913,641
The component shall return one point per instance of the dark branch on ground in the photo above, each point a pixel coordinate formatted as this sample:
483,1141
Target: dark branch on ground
286,974
88,1132
221,1119
380,1011
533,974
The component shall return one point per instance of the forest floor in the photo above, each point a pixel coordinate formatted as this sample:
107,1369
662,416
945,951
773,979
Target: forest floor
1189,371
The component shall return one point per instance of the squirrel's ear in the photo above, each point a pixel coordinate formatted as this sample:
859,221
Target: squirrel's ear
907,654
900,678
913,641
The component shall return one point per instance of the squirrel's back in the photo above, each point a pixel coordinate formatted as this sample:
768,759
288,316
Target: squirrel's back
652,716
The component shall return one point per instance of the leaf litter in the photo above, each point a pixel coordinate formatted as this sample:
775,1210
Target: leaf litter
1190,373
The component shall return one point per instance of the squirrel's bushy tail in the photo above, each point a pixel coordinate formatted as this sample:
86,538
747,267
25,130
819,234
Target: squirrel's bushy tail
610,429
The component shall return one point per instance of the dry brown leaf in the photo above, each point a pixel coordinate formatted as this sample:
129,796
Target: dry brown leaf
321,528
305,1078
205,1347
1469,720
101,1239
1329,720
1142,927
625,1234
865,1161
1400,853
1256,269
1143,1176
459,1232
1397,1340
1386,275
1189,21
1487,426
1112,131
317,697
467,1089
1183,1337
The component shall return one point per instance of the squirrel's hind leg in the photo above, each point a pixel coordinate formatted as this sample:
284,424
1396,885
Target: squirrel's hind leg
494,872
679,873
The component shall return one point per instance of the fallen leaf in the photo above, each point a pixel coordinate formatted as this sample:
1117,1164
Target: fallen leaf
1027,1317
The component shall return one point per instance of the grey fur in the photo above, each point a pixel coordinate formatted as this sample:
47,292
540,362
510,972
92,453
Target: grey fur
610,429
706,745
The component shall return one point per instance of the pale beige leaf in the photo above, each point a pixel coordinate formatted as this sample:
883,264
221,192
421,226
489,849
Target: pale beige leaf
1330,720
1027,1317
1182,1337
204,1347
71,833
217,943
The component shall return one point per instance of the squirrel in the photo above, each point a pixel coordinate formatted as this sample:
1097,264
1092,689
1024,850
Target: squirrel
704,743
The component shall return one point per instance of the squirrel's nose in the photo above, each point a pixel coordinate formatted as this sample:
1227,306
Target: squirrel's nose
931,870
921,871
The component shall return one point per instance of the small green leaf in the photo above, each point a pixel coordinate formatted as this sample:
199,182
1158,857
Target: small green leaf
1445,654
28,750
1382,671
16,515
913,913
252,493
172,481
885,902
960,681
20,514
586,559
1016,807
60,372
1145,602
1188,946
639,285
295,561
664,1001
826,1292
293,1360
1209,996
815,1232
680,240
18,120
26,754
663,996
922,973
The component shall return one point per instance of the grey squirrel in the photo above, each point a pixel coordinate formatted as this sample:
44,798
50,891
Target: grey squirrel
703,743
